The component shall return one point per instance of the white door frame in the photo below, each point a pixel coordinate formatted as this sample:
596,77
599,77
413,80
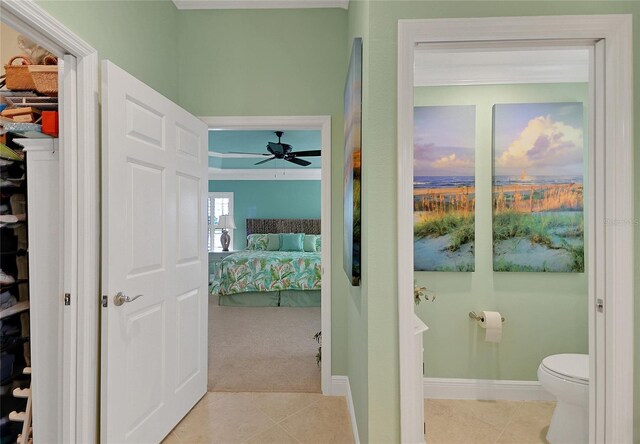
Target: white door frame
611,218
323,124
81,213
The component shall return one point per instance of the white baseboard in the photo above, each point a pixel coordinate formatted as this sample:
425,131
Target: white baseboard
485,389
340,387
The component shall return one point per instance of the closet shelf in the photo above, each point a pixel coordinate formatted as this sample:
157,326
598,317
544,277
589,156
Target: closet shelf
13,284
22,392
18,308
31,100
30,135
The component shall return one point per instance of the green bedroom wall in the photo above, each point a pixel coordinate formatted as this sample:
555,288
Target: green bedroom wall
266,199
546,314
273,63
380,179
138,36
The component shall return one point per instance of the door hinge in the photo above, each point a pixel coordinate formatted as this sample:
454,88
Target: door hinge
105,301
67,299
424,428
423,369
600,305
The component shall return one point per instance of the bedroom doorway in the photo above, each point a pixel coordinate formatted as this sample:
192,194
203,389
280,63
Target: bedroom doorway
264,187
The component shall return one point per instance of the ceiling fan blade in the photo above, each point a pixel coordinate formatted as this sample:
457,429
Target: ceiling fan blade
297,161
249,154
265,160
311,153
276,148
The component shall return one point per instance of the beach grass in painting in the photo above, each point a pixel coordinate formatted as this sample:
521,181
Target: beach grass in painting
538,193
444,188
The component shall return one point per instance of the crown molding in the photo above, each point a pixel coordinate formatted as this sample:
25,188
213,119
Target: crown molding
260,4
265,174
235,155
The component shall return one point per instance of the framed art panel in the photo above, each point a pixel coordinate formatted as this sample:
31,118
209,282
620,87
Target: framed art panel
444,188
538,201
352,163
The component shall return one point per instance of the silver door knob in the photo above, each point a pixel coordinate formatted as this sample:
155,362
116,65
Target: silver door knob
121,298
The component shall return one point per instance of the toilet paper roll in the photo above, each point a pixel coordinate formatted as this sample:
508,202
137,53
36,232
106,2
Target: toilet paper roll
492,323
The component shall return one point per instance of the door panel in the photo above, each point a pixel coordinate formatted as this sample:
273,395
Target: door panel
154,363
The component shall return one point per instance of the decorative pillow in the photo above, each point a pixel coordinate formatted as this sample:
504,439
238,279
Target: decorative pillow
310,243
291,242
318,243
257,242
273,243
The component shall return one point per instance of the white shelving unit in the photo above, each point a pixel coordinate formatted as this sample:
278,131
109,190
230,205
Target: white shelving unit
45,288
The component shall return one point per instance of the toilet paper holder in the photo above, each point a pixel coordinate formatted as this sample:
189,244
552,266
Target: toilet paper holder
476,317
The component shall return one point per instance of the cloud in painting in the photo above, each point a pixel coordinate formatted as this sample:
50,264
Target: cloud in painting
542,145
452,161
432,160
444,139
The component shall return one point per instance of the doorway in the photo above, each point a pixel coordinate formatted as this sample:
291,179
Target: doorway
609,316
314,123
79,191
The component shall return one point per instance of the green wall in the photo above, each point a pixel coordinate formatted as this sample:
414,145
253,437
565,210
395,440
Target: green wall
546,314
138,36
266,199
380,179
273,63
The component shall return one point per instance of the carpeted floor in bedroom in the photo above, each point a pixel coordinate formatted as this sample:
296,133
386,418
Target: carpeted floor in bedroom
263,349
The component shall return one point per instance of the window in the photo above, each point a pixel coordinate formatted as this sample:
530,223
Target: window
218,204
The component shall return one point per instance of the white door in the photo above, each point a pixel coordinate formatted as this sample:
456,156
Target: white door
154,191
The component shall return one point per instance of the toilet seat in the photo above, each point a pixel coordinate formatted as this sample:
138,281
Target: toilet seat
570,367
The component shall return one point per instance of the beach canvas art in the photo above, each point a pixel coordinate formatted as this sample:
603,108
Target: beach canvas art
444,188
352,152
538,211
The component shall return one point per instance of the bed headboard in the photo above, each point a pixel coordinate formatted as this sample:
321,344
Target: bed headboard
258,226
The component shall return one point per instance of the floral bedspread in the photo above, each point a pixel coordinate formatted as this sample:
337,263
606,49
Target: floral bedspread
250,270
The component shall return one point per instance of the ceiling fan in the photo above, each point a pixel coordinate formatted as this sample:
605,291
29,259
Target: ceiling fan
279,150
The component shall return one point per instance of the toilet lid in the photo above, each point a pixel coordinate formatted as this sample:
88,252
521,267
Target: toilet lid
573,366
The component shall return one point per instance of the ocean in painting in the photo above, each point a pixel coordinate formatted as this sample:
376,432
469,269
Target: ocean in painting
469,181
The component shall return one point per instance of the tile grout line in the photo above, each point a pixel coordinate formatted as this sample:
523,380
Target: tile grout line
298,411
277,423
513,415
287,417
289,433
262,431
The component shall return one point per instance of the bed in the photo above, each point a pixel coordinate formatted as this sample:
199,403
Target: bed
258,277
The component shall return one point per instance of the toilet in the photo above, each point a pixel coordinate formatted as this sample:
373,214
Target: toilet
566,376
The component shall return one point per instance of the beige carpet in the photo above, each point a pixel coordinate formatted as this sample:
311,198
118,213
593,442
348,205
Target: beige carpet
263,349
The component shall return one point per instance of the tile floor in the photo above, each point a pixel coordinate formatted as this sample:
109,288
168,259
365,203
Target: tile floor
487,422
282,418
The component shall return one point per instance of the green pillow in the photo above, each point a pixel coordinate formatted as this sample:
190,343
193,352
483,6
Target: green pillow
291,242
310,243
257,242
318,243
273,243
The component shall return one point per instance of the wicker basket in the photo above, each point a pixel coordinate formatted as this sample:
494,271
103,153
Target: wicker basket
45,78
18,76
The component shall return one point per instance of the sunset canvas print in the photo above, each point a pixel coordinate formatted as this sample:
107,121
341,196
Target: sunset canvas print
444,188
538,220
